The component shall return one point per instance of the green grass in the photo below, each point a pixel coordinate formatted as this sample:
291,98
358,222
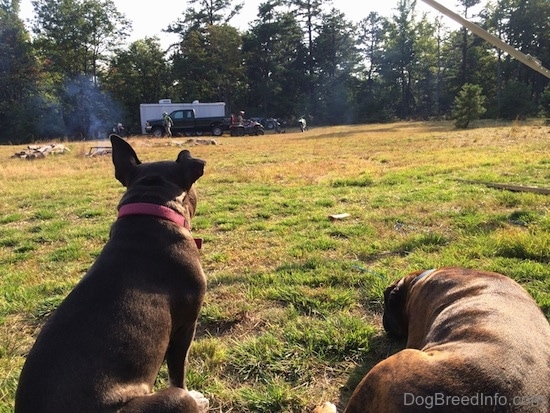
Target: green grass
292,315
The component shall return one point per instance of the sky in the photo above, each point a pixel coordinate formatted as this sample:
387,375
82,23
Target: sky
149,19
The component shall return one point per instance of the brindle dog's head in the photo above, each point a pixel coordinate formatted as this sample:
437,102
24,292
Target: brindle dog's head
395,318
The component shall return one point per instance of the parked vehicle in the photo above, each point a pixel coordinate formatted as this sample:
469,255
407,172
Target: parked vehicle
149,111
270,123
267,123
248,127
186,123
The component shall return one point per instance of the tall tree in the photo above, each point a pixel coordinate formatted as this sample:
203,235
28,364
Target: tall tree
207,61
400,55
203,13
139,74
482,69
527,29
369,96
11,6
425,70
336,60
467,5
308,14
73,38
335,47
371,42
18,76
494,15
275,58
208,65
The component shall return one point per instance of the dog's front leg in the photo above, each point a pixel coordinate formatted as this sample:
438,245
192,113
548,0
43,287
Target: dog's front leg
172,399
176,355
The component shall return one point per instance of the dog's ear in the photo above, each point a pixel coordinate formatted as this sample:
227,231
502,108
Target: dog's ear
194,167
124,159
395,318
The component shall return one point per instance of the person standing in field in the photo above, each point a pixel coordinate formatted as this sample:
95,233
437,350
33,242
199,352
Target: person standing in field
168,122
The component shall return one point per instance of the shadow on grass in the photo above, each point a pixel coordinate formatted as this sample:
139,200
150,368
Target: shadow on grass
382,347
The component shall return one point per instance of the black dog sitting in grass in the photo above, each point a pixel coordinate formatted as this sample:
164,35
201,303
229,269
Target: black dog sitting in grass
138,304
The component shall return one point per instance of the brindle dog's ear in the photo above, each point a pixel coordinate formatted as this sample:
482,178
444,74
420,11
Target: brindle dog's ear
124,159
194,167
395,319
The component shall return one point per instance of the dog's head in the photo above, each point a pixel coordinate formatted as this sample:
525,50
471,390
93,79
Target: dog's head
167,183
395,318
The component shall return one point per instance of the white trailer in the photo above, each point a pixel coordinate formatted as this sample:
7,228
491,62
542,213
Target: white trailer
152,111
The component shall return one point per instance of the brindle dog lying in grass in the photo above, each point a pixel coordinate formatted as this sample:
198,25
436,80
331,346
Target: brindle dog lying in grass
476,342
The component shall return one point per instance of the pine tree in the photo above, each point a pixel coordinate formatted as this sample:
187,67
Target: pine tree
468,105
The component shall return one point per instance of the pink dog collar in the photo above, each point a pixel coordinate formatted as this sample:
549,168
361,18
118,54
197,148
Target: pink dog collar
143,208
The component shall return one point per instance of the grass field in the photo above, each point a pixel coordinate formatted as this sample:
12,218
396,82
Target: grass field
292,315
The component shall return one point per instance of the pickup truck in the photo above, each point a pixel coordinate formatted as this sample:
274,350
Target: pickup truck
187,124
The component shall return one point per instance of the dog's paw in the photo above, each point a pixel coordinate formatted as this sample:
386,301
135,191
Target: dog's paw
326,407
202,401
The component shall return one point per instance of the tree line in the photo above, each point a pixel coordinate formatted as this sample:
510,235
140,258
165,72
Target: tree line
72,74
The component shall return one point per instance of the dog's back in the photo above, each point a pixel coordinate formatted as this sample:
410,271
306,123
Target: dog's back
490,324
114,317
